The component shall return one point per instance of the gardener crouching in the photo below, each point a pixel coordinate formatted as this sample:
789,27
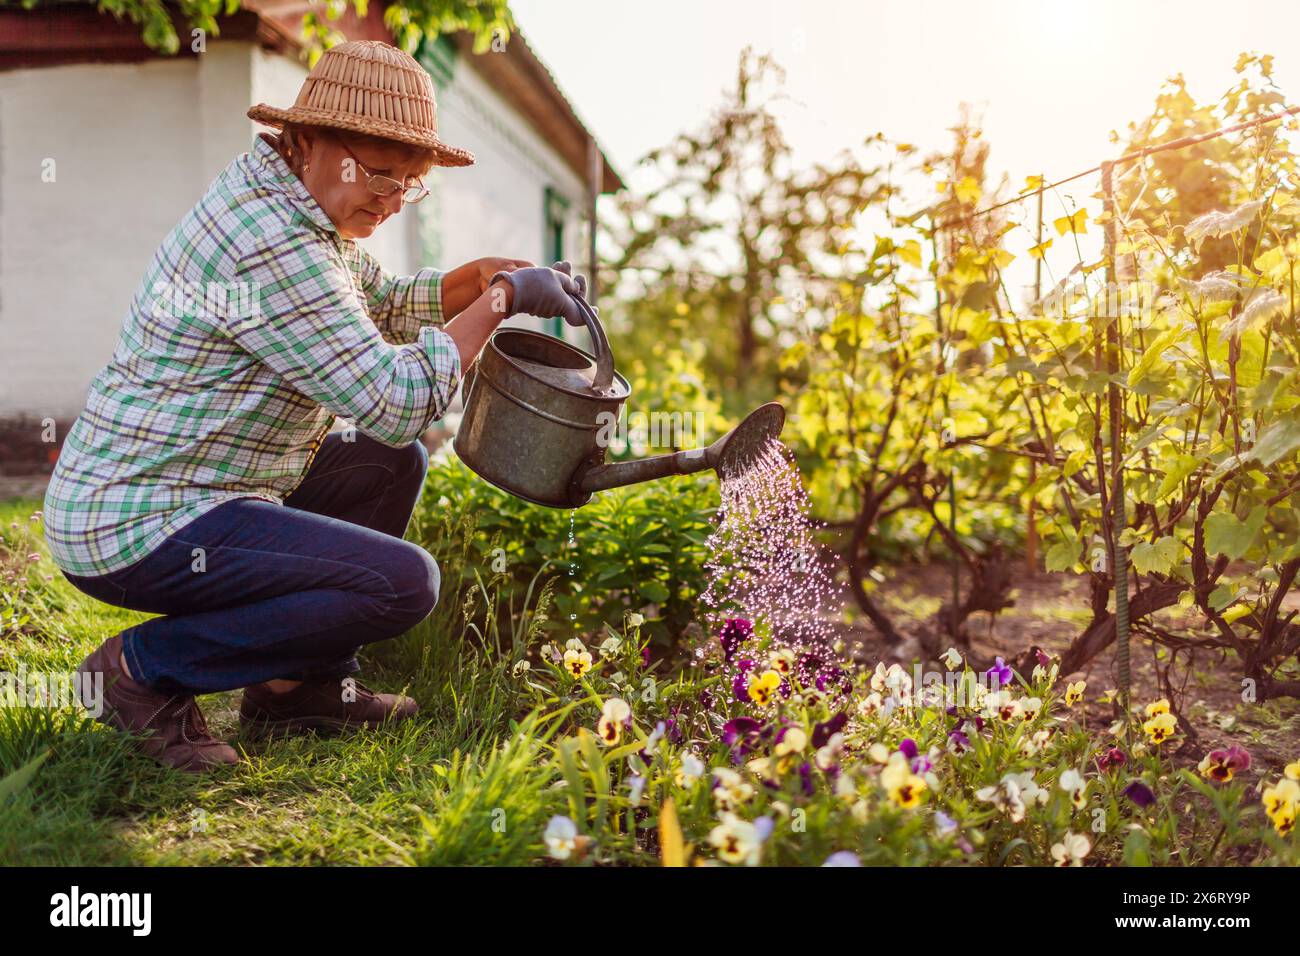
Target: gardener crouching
202,483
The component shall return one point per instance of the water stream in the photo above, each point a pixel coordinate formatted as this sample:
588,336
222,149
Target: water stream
765,565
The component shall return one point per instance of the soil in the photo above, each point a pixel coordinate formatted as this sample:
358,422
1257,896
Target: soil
1049,611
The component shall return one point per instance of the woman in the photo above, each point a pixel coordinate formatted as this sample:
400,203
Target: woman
201,484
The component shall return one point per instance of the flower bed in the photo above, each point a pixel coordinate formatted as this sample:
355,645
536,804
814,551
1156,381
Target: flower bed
877,767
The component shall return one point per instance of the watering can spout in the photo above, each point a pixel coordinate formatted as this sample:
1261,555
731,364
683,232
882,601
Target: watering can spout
731,454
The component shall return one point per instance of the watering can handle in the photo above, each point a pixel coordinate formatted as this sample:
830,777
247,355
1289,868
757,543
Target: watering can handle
600,345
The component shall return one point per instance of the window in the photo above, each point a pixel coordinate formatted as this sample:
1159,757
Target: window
554,214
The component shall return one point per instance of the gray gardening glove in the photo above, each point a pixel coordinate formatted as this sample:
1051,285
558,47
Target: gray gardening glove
545,292
580,281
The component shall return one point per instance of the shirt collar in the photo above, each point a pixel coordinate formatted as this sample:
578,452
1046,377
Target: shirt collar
275,172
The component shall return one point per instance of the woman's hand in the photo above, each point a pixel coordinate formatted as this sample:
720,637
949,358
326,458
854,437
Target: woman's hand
462,285
489,267
543,292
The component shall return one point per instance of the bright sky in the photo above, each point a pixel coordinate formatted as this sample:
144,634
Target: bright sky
1051,78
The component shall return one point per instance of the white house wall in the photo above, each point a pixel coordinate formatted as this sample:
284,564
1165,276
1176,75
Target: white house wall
136,145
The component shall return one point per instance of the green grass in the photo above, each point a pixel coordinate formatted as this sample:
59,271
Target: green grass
420,792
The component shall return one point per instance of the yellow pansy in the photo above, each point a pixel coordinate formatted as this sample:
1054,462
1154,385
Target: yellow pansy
1159,707
904,787
612,718
577,663
782,661
1280,803
763,686
1160,727
792,742
1074,692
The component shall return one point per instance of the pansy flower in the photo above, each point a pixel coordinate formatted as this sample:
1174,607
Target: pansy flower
561,837
1000,673
1281,802
577,662
1072,782
842,858
613,715
740,683
823,731
1220,765
903,786
741,734
1114,757
1071,850
735,631
1140,793
1074,692
1160,727
689,771
763,686
870,704
737,840
1160,706
828,755
791,740
845,788
782,661
951,659
730,790
1031,744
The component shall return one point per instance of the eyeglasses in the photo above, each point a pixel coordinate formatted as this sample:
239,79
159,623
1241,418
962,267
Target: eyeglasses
385,185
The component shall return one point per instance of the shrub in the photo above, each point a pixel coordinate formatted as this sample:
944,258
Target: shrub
639,548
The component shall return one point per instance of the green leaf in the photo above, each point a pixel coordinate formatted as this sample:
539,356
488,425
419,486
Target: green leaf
1277,441
1062,555
655,591
1155,557
1137,849
1176,471
1225,533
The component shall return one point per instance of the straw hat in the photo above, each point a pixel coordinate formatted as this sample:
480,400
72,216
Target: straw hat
367,86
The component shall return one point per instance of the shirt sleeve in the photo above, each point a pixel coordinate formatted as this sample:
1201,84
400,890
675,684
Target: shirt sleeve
399,305
307,324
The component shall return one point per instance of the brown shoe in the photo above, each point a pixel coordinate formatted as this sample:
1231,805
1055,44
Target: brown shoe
168,727
320,705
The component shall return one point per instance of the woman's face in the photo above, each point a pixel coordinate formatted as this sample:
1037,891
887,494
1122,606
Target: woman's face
336,178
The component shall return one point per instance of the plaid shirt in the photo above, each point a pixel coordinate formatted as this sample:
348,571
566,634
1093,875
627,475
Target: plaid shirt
254,326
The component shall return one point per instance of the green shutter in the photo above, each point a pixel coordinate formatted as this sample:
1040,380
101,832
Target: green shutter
554,213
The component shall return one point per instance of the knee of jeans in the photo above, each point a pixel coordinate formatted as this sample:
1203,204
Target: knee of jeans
415,458
416,581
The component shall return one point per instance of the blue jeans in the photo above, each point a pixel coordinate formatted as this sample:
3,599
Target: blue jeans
253,591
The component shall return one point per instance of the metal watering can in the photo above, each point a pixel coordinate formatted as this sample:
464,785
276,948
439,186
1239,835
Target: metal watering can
534,410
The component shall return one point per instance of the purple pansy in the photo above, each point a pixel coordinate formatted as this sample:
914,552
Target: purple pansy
827,729
1114,757
1140,793
740,683
734,632
999,671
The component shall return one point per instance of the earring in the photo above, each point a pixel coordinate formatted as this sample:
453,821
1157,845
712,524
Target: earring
306,166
